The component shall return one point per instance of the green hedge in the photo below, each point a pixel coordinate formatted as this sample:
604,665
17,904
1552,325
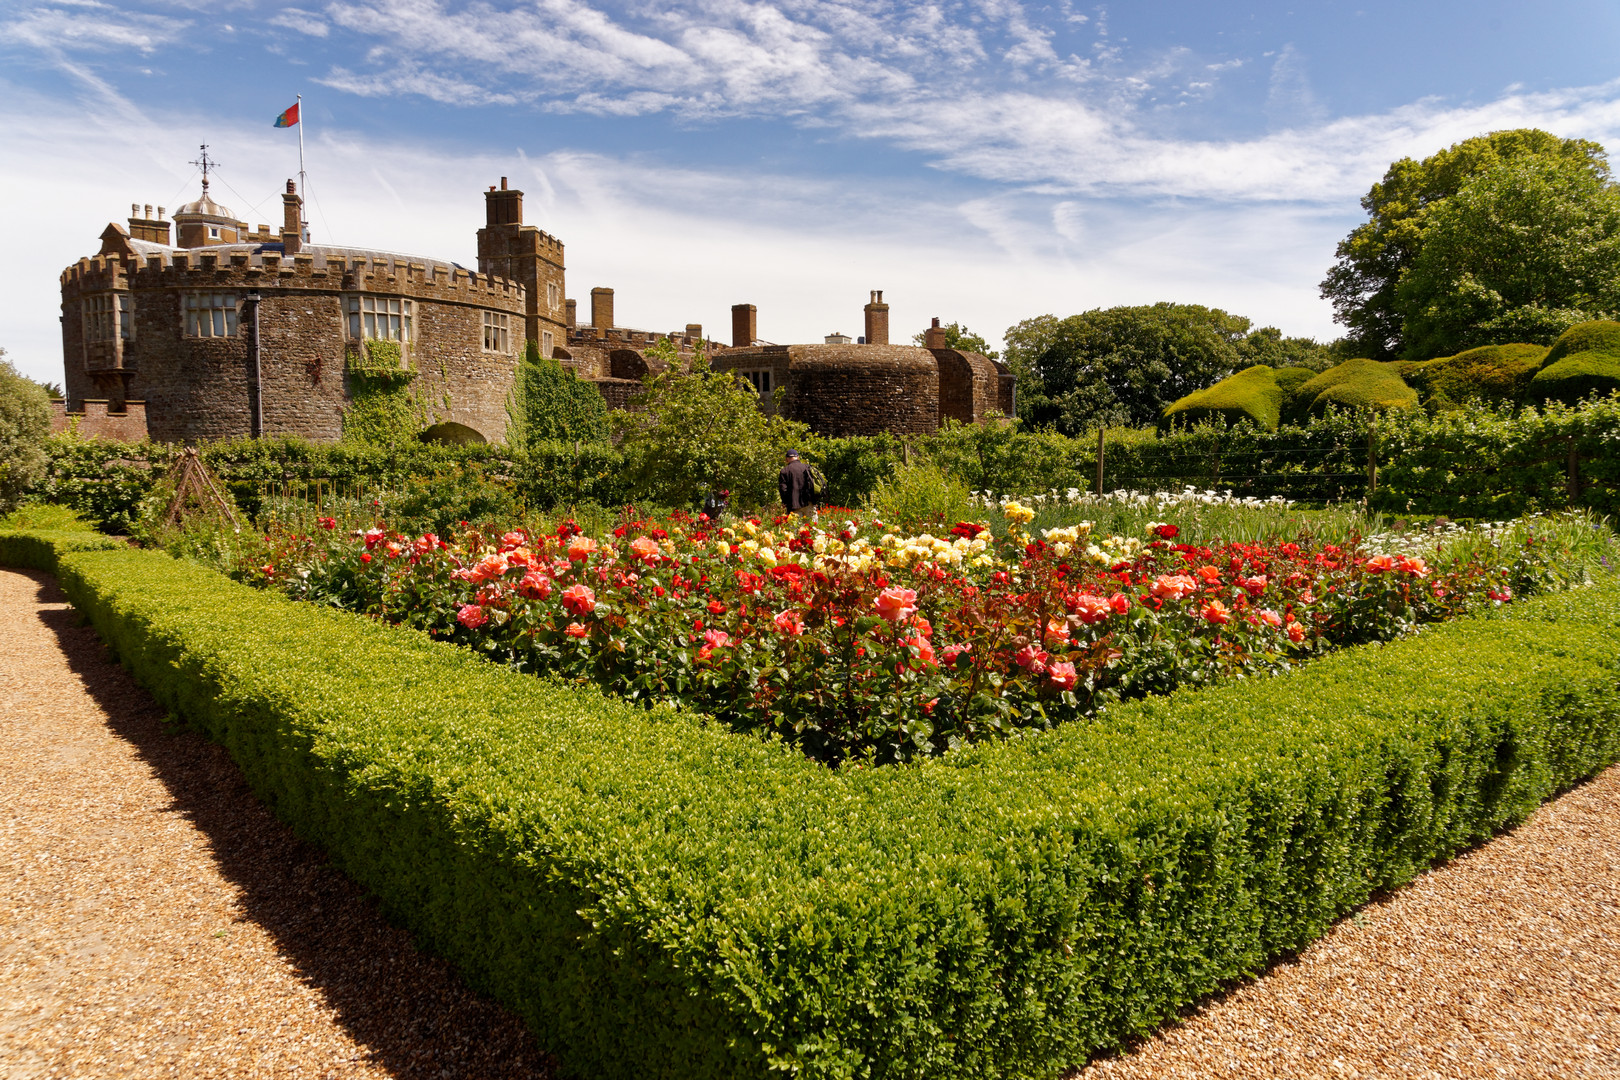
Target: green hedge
1253,394
1354,384
658,897
35,549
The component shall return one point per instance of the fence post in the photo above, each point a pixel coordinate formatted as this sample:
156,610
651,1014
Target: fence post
1574,473
1372,454
1100,432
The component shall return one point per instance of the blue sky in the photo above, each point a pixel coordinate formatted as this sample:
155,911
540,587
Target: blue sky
981,161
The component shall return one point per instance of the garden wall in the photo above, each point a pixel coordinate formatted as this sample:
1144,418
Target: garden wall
661,898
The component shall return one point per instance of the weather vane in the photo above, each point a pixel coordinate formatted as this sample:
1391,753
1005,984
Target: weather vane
204,163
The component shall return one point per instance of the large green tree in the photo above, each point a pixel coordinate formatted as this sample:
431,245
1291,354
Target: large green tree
1123,365
1363,283
25,424
1525,250
698,430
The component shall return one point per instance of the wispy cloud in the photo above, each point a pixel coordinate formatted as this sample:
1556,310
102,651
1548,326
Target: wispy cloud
77,26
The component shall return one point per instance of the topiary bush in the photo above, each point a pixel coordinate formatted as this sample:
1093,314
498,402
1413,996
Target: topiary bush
1354,384
1253,394
1490,374
1584,361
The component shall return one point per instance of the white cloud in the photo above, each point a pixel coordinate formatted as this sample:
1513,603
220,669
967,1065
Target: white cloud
92,27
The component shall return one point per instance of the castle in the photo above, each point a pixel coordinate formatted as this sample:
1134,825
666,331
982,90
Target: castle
228,331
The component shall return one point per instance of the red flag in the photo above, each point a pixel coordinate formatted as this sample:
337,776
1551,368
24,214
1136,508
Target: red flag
288,118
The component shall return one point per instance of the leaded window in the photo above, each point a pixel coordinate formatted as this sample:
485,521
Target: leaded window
210,314
380,318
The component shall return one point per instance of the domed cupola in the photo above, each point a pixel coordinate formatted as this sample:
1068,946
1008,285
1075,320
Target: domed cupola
205,222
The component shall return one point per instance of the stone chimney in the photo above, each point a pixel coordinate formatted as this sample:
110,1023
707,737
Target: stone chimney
503,206
934,336
694,332
744,325
292,221
143,226
602,309
877,320
572,308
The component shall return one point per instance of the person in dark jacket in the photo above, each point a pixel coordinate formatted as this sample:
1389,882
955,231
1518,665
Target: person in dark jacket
793,484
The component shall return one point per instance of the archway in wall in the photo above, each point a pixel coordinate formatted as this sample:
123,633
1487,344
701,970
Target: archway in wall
452,433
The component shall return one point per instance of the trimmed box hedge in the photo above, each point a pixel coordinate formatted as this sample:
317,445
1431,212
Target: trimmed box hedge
659,897
37,549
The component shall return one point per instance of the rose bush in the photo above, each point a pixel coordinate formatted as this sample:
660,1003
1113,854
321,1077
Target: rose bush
857,640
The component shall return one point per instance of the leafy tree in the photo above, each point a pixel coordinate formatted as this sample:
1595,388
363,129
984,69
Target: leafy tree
960,337
1268,346
1121,365
25,424
551,403
1371,261
700,430
1525,250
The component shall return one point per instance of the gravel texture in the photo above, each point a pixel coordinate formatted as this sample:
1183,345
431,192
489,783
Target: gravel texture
156,920
1504,962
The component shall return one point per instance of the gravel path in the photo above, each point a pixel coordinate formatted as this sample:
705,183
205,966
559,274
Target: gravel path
1504,962
155,920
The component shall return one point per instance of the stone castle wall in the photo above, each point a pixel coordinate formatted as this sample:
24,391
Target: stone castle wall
198,388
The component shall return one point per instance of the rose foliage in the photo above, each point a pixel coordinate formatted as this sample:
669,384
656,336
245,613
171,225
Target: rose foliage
857,641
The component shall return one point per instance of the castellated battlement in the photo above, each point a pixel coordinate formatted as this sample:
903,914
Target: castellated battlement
242,269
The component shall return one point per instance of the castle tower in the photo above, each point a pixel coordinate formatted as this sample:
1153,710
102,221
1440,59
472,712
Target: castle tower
509,249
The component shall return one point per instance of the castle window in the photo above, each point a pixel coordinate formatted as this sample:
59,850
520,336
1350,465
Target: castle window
106,316
553,295
496,329
381,318
210,314
546,342
759,380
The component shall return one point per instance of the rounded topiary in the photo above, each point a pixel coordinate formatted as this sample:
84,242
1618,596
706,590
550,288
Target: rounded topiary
1292,378
1585,360
1253,394
1354,384
1490,373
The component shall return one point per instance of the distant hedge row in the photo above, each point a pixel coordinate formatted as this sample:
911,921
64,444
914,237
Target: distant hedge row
658,897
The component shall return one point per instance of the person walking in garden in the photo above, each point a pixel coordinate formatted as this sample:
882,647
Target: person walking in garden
795,486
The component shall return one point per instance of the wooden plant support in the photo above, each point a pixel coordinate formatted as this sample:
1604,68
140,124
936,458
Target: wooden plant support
194,491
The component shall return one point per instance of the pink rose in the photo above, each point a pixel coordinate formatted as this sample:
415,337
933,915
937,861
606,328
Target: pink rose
580,548
1415,567
579,599
1032,659
924,650
535,585
896,604
1120,603
716,639
1057,630
576,630
1217,613
1296,632
1379,564
1270,618
951,652
1255,585
645,547
471,616
1173,586
1062,675
789,623
1091,609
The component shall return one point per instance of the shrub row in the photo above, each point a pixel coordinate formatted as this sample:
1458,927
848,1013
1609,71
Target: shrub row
658,897
38,549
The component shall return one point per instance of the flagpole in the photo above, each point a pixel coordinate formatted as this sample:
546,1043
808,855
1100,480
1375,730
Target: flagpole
303,181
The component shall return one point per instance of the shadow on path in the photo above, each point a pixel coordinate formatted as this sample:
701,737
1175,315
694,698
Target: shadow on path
411,1010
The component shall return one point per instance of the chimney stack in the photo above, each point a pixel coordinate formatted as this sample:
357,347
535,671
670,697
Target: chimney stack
142,226
877,320
503,206
934,336
602,309
694,332
744,325
292,221
572,308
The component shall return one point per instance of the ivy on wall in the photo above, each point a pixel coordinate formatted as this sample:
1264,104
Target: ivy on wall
382,407
551,403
